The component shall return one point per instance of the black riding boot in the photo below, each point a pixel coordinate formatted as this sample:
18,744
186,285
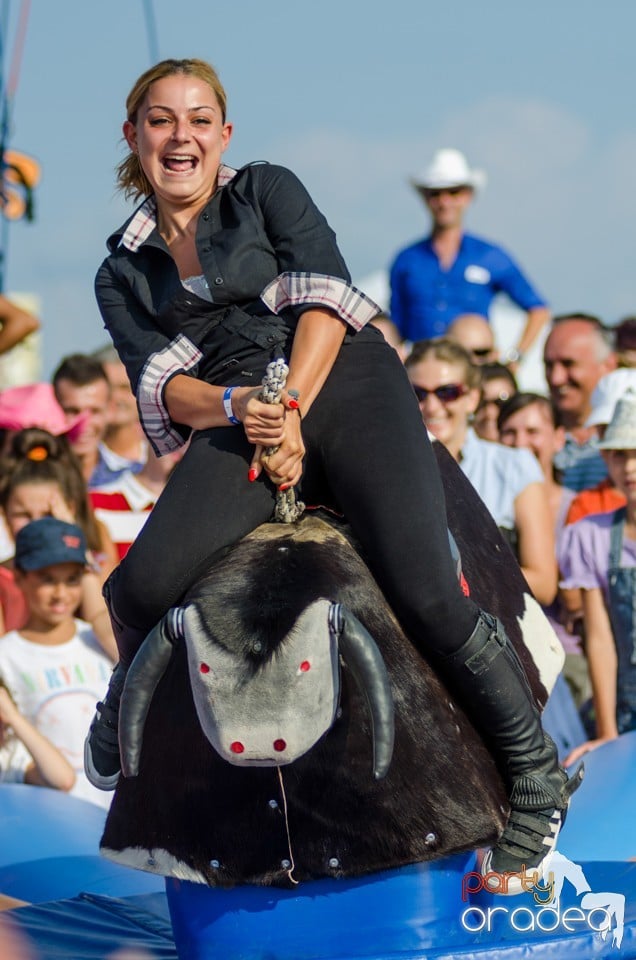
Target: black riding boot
102,763
492,686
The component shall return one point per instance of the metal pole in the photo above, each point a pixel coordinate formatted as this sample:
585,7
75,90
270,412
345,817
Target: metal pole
151,31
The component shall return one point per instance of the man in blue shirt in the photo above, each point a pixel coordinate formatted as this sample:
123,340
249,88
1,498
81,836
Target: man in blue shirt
450,273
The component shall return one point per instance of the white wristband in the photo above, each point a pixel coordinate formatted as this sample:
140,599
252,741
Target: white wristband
227,406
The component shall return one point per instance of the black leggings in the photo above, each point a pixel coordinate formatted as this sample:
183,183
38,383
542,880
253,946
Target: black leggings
367,454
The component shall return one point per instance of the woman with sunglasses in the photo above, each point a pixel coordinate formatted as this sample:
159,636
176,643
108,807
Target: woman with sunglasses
498,384
218,272
510,482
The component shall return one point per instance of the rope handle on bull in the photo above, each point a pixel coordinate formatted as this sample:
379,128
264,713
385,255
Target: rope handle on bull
287,508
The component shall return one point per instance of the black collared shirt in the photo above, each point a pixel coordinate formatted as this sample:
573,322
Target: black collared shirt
264,248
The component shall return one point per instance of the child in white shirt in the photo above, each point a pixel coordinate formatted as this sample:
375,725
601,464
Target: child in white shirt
26,756
55,666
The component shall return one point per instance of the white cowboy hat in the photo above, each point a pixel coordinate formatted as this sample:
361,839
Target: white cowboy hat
449,168
606,394
621,432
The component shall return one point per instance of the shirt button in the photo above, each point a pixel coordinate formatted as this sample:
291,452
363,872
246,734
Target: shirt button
206,216
218,281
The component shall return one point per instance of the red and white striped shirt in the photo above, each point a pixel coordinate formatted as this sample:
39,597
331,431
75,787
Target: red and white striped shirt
123,506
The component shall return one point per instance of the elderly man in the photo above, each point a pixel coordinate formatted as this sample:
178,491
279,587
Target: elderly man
450,272
577,353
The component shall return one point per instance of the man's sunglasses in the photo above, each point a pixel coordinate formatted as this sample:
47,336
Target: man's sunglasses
497,401
454,191
445,394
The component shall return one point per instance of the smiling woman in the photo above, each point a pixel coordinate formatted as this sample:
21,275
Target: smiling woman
154,129
510,482
178,145
215,275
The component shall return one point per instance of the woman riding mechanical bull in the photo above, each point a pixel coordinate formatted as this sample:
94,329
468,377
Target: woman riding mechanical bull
218,272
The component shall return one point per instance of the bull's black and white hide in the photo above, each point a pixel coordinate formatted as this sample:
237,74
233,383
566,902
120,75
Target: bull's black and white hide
191,814
495,580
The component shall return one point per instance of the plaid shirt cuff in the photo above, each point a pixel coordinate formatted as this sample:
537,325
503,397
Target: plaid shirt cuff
180,356
319,290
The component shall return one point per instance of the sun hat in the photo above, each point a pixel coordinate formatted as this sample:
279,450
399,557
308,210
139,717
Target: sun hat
621,432
41,543
606,394
449,168
35,405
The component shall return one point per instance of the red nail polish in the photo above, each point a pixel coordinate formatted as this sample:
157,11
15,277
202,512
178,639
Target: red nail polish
251,476
284,486
294,404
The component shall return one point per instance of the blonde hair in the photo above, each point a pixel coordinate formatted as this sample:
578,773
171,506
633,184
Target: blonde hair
448,351
131,178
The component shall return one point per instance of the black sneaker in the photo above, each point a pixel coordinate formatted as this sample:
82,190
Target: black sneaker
523,849
102,763
528,840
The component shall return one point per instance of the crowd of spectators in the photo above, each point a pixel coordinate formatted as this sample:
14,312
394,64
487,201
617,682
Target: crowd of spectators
557,502
77,473
581,431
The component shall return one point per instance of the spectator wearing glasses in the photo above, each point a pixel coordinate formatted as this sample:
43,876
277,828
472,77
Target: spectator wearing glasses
498,385
451,272
475,335
509,481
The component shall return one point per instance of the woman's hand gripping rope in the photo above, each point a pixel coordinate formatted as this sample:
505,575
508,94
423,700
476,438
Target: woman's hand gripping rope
282,463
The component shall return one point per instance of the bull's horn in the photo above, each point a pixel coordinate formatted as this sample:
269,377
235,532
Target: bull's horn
142,679
361,654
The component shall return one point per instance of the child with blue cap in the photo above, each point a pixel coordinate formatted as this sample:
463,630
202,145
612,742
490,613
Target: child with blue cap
54,666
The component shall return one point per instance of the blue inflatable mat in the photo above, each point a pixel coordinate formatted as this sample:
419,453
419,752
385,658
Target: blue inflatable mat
433,911
419,913
49,823
49,849
409,914
92,928
601,823
89,928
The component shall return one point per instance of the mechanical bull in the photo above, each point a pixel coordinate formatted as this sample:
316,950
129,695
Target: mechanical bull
281,727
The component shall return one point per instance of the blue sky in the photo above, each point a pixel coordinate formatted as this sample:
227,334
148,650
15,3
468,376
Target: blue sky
354,97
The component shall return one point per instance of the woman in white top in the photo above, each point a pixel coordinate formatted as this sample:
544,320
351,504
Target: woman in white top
510,482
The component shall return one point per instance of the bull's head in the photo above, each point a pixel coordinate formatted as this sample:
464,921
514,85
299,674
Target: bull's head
263,707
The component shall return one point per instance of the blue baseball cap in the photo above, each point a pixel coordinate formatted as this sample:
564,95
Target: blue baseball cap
42,543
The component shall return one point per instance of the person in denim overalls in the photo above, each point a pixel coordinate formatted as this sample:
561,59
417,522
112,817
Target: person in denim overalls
598,554
622,613
217,272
